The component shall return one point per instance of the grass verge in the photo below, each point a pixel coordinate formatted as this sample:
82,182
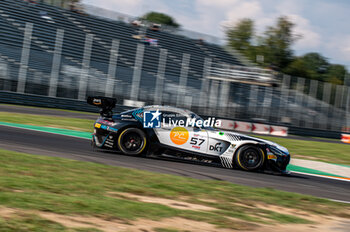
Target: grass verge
46,184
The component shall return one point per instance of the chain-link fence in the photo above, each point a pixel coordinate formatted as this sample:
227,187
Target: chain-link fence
226,93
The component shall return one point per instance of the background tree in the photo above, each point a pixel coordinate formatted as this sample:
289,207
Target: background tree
240,36
336,74
278,41
160,18
275,46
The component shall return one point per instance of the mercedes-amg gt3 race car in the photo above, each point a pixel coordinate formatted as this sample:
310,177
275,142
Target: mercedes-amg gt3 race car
170,132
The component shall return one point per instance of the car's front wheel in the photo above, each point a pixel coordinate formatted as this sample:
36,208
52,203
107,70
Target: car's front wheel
249,157
132,141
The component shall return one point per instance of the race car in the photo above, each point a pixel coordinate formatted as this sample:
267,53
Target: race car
170,132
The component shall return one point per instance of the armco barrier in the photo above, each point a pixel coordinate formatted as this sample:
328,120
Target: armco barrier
260,128
243,126
345,138
227,124
279,130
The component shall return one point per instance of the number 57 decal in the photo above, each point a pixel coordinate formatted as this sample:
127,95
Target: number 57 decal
197,141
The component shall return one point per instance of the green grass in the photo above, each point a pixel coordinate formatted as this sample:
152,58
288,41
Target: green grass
48,121
40,183
314,150
322,151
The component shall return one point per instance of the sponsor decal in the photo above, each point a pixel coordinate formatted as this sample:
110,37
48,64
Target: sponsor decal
217,147
109,128
151,119
138,114
271,157
179,135
97,125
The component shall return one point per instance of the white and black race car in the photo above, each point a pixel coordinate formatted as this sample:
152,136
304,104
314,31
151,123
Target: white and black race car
171,132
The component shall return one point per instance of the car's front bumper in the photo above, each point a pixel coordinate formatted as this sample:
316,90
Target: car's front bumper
277,160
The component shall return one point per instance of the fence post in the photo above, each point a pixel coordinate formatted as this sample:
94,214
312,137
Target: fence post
134,93
112,66
284,95
56,63
22,74
326,98
267,102
204,86
158,93
348,109
224,97
300,98
85,67
213,97
181,91
253,100
312,99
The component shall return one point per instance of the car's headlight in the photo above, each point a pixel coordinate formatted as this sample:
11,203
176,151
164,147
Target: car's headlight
276,151
273,152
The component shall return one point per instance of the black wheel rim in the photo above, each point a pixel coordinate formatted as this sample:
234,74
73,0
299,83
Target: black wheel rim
251,158
132,142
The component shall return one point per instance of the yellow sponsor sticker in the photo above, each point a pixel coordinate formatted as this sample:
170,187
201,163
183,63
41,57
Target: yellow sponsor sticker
271,157
97,125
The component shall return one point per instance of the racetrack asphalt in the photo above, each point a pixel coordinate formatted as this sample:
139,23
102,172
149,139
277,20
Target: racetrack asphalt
42,143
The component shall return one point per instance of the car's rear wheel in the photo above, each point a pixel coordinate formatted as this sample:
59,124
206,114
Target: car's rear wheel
132,141
249,157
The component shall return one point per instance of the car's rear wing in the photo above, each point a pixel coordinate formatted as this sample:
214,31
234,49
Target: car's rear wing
105,103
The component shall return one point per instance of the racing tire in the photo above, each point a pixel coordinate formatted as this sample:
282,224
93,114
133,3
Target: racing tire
132,141
250,158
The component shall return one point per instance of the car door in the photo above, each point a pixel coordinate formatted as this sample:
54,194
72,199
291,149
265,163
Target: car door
175,132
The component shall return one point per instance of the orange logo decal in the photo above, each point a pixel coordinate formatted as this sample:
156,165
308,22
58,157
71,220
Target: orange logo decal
179,135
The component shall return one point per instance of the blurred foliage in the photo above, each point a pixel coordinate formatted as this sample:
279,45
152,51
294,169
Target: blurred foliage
160,18
241,35
273,49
